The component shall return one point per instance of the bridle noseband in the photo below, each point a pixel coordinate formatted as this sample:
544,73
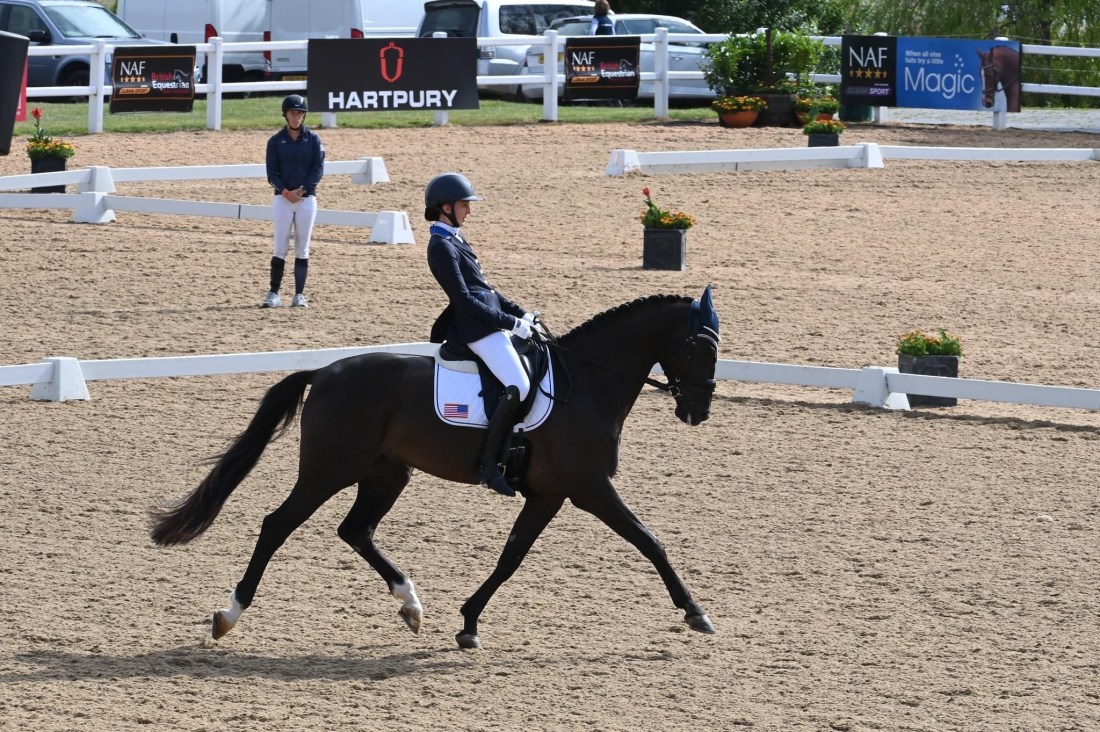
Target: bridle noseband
685,353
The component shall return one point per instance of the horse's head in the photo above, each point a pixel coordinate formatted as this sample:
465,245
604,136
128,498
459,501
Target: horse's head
690,370
990,77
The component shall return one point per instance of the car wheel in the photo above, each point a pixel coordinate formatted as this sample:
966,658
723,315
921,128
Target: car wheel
76,77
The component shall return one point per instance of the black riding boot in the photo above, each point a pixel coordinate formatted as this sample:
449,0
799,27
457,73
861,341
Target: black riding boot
488,472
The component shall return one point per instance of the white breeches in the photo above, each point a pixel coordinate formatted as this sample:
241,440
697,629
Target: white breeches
496,351
302,216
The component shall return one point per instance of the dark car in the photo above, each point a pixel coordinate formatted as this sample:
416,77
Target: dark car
66,23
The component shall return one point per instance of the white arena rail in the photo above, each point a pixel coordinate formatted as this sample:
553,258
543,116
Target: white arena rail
95,202
863,155
64,378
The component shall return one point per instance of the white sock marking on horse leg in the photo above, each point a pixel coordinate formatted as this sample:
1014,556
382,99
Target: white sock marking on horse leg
233,612
406,592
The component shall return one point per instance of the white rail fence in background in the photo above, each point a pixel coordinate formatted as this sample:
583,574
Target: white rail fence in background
64,378
863,155
95,202
552,82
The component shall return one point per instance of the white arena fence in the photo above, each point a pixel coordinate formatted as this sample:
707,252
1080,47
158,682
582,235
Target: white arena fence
551,43
95,201
863,155
64,378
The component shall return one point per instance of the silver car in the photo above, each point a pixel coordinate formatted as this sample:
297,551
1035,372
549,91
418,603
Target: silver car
683,56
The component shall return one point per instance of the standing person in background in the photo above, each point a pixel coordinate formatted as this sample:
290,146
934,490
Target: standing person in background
295,164
601,24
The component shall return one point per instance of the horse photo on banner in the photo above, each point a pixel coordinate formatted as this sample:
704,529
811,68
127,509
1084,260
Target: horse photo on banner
930,73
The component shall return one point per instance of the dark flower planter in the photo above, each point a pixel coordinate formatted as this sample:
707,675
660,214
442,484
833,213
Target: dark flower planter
664,249
929,366
48,165
779,112
823,140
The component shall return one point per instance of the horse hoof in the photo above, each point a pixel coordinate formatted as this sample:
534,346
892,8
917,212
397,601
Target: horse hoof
700,623
411,616
468,640
221,625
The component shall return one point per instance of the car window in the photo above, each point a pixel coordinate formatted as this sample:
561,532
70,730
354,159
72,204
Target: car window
457,21
675,26
23,20
634,27
88,21
533,19
574,28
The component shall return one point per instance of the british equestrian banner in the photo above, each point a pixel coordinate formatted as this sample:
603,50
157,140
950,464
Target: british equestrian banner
602,67
152,79
385,74
930,73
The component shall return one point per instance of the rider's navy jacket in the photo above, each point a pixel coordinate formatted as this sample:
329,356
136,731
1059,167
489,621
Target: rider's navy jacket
292,163
476,309
602,26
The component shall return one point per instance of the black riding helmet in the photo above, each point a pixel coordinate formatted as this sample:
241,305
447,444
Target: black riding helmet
295,101
446,188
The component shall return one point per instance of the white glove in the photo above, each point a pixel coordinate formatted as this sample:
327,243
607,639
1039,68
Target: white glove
530,317
522,329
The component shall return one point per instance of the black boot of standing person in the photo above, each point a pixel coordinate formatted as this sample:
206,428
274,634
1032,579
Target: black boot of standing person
501,423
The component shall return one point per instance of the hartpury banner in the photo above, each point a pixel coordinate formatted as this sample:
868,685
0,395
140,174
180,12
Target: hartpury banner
601,67
380,74
152,79
13,85
930,73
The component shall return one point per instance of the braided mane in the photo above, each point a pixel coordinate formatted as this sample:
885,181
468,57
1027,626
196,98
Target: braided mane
641,302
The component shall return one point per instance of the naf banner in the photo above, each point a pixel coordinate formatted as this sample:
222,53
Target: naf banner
153,79
930,73
382,74
601,67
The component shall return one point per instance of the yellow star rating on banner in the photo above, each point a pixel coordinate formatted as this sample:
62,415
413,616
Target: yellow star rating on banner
131,80
868,74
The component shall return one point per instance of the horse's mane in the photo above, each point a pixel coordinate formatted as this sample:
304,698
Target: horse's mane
641,302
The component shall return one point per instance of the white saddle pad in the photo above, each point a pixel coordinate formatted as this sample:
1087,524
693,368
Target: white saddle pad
458,400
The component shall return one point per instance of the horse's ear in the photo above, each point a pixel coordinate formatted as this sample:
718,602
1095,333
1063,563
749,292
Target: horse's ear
705,317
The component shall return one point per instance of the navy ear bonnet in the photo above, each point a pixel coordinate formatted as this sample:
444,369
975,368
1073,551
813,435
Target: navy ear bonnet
704,318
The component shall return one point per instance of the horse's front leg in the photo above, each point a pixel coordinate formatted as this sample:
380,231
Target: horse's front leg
605,504
536,514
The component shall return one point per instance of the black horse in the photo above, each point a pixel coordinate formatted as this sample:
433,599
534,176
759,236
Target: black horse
1001,72
370,420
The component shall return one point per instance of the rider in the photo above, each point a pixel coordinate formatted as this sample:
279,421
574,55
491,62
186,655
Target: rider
477,316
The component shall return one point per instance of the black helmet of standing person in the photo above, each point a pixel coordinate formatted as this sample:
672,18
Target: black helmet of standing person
295,101
445,189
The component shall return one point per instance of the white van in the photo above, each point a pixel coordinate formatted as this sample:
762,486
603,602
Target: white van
496,19
298,20
197,21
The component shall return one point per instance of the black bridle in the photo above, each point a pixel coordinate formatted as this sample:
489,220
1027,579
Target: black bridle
673,387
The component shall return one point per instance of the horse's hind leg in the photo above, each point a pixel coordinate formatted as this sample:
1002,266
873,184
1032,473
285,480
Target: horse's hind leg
378,491
533,518
302,502
606,505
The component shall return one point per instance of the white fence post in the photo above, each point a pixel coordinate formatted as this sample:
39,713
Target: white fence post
66,382
96,63
440,117
873,389
660,69
550,52
214,85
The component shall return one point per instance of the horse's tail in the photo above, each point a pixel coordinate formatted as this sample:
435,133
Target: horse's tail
188,519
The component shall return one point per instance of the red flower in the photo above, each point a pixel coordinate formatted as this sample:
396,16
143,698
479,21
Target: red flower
36,113
645,191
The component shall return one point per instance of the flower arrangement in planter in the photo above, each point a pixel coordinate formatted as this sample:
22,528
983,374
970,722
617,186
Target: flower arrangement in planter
41,146
738,111
664,240
823,132
918,344
815,107
930,355
655,217
739,104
